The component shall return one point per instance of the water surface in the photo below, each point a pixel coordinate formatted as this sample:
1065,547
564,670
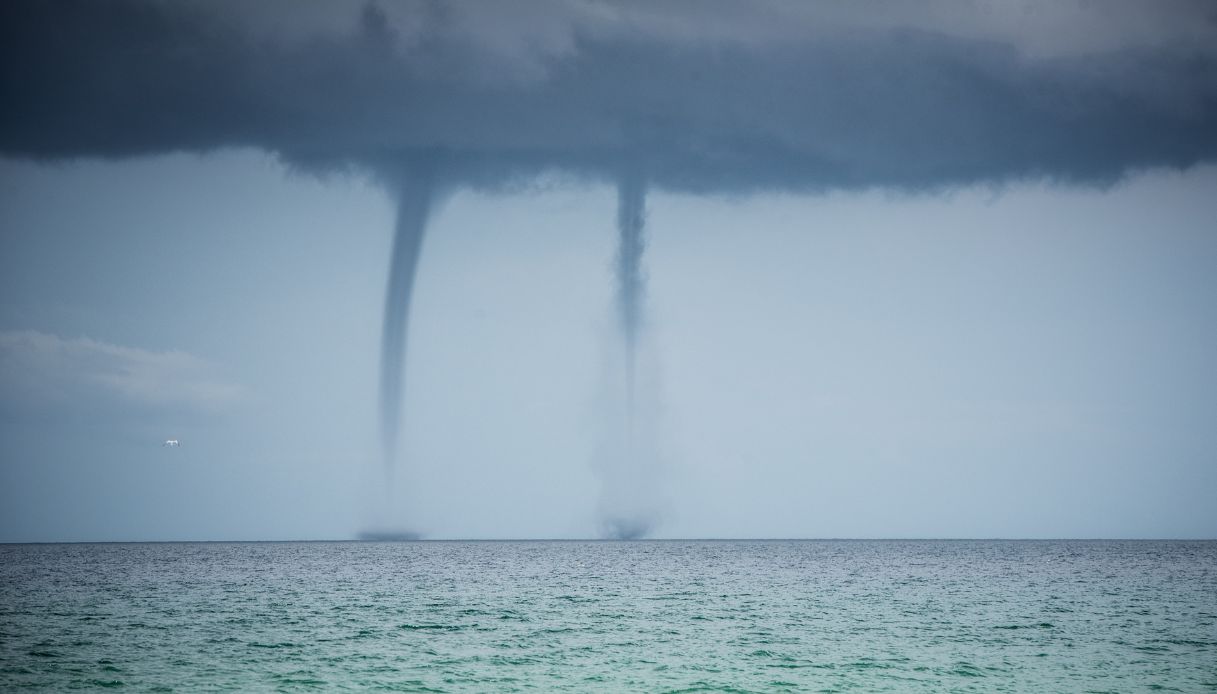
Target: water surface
983,616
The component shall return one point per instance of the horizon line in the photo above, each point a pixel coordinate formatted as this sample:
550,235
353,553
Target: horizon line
622,540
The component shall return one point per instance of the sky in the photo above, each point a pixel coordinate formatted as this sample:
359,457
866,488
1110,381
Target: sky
927,270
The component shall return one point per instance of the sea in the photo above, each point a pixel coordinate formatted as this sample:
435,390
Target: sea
611,616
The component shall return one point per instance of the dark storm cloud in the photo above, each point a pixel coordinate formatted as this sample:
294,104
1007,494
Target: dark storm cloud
802,108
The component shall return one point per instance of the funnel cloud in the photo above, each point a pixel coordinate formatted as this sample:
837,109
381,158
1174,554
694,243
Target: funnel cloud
626,513
414,199
631,210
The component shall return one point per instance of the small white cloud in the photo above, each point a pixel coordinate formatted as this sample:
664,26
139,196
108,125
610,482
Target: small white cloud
37,367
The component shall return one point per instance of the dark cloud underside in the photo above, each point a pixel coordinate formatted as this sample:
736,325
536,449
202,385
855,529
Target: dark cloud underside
892,107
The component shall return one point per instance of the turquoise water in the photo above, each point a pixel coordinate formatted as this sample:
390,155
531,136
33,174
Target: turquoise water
932,616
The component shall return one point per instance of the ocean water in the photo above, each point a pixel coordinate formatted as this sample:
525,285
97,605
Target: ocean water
832,616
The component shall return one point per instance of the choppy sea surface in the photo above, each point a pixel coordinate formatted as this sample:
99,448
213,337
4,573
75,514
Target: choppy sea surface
833,616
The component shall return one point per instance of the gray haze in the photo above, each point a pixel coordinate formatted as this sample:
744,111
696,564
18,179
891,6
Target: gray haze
1037,362
687,99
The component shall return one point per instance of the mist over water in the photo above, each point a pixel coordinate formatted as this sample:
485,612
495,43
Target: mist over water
629,458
